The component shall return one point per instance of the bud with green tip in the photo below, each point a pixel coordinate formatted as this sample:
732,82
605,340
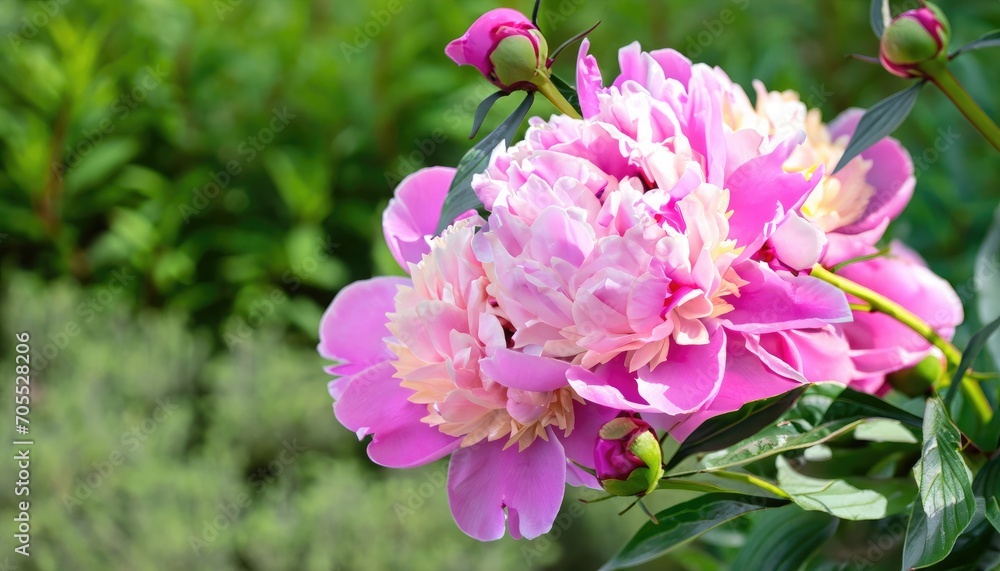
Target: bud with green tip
628,458
506,47
914,38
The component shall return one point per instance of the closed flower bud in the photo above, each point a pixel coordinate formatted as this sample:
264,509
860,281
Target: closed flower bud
913,38
628,458
506,47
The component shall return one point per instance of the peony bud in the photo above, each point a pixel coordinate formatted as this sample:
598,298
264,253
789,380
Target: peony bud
913,38
506,47
628,458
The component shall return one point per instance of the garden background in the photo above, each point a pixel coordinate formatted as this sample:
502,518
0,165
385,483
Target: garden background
185,184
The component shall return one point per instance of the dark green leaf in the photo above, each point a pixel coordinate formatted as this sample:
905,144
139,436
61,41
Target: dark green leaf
555,53
946,505
993,512
784,437
567,91
972,350
853,404
987,486
987,40
728,429
880,121
683,522
460,197
484,109
878,10
783,539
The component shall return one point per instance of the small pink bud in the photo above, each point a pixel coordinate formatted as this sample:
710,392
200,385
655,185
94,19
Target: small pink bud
913,38
506,47
627,457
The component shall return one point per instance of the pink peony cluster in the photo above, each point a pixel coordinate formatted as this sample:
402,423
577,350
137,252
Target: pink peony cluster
651,258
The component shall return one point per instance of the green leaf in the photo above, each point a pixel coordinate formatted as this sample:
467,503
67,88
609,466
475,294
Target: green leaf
835,497
972,350
728,429
105,160
987,486
784,437
946,504
880,121
879,16
484,109
853,404
993,513
683,522
783,539
460,197
885,430
987,40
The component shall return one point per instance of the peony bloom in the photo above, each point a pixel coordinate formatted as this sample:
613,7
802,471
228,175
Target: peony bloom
646,259
506,47
623,244
853,208
426,370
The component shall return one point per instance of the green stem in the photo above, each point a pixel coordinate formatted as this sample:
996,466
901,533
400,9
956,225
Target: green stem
877,302
753,480
551,92
947,83
882,304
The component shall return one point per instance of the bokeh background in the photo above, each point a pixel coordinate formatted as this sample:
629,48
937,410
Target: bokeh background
184,186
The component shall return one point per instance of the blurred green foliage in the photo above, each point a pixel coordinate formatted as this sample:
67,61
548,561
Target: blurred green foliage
190,182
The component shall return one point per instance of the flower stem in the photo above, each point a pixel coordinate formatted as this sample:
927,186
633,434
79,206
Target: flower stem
880,303
754,480
947,83
551,92
877,302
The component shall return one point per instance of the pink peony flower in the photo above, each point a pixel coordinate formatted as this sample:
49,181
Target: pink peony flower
853,208
436,377
646,259
609,245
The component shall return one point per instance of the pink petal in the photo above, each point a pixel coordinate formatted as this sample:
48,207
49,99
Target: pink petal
610,385
588,418
374,403
805,355
762,194
352,329
588,81
517,370
891,174
413,214
774,301
798,243
689,378
484,479
745,379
